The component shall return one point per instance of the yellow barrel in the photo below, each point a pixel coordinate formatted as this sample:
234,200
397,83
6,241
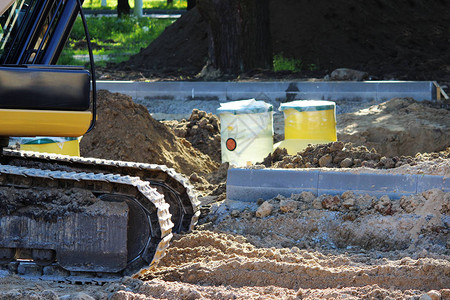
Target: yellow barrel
66,146
246,131
310,120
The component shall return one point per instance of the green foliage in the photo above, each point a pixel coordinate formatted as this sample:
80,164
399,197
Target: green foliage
66,59
114,39
281,63
313,67
155,4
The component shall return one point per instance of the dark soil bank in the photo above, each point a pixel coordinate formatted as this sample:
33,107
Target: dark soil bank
405,39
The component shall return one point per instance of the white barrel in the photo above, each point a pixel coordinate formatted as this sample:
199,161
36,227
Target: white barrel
246,131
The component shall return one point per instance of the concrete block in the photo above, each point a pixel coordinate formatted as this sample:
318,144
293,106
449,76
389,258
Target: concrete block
253,184
250,184
428,182
252,194
419,90
273,92
395,186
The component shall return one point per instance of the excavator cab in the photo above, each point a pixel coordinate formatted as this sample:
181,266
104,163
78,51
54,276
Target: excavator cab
38,97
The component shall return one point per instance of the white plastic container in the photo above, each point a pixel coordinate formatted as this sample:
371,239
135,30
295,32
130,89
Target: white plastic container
246,131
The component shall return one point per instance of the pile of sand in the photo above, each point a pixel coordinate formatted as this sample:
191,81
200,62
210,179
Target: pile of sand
400,126
126,131
202,131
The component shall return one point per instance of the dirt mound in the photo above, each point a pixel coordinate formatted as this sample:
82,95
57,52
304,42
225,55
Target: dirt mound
348,221
202,131
401,39
400,126
181,48
340,155
406,39
214,259
126,131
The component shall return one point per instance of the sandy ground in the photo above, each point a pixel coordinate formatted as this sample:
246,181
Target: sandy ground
301,247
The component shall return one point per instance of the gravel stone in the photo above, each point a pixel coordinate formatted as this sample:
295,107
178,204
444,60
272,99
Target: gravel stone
288,205
264,210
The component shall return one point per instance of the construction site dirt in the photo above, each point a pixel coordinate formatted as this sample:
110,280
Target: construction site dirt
347,246
301,246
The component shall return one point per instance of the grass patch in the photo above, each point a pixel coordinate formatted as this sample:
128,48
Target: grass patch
154,4
281,63
114,38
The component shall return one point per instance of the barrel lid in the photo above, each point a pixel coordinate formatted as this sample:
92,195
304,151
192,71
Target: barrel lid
244,107
308,105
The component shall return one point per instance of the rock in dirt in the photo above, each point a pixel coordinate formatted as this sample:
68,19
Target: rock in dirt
287,205
126,131
264,210
344,74
340,155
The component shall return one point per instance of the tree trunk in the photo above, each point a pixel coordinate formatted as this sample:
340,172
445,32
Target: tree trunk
239,34
190,4
123,8
138,10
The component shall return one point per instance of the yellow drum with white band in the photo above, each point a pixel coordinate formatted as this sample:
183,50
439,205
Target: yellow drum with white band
307,122
310,119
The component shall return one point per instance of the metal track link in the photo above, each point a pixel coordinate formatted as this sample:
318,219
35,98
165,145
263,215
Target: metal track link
156,174
14,176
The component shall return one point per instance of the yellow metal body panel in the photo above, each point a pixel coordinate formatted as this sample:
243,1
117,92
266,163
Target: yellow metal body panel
18,122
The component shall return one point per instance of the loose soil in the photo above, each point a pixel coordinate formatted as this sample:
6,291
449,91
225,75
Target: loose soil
299,247
201,130
397,127
126,131
47,204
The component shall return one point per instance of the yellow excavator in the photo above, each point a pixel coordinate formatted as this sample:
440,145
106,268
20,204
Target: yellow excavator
62,217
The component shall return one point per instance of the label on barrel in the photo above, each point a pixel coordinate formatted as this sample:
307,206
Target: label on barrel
231,144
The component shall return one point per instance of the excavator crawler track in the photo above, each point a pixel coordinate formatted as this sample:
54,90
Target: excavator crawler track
94,245
184,205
